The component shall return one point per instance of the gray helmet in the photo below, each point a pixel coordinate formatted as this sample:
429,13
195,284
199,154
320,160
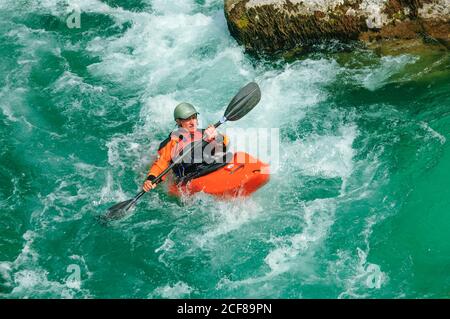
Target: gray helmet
183,111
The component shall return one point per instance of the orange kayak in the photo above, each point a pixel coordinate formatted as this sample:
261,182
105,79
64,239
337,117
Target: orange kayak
241,177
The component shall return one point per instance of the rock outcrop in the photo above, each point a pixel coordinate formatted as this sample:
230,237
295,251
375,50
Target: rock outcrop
279,26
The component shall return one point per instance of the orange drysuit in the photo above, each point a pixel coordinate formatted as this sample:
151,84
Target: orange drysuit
173,145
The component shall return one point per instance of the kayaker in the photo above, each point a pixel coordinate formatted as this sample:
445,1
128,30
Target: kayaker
214,149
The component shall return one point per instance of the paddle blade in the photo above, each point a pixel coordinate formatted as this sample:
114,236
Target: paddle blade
118,211
243,102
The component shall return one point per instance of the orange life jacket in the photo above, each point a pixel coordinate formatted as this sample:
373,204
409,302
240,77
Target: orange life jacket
173,146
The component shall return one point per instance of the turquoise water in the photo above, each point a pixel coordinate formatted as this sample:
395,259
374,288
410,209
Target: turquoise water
359,207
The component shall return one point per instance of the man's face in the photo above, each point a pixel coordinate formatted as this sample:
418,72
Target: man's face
189,124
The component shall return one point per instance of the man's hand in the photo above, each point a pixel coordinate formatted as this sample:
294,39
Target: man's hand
211,133
148,184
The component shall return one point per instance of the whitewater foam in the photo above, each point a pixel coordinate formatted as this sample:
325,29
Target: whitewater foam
176,291
28,280
374,77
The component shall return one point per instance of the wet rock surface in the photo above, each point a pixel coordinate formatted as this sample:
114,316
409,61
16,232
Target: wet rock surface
286,26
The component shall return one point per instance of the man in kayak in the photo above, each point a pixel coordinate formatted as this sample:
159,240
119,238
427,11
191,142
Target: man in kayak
185,116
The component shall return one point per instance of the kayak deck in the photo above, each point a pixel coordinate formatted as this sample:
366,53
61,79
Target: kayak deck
241,177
